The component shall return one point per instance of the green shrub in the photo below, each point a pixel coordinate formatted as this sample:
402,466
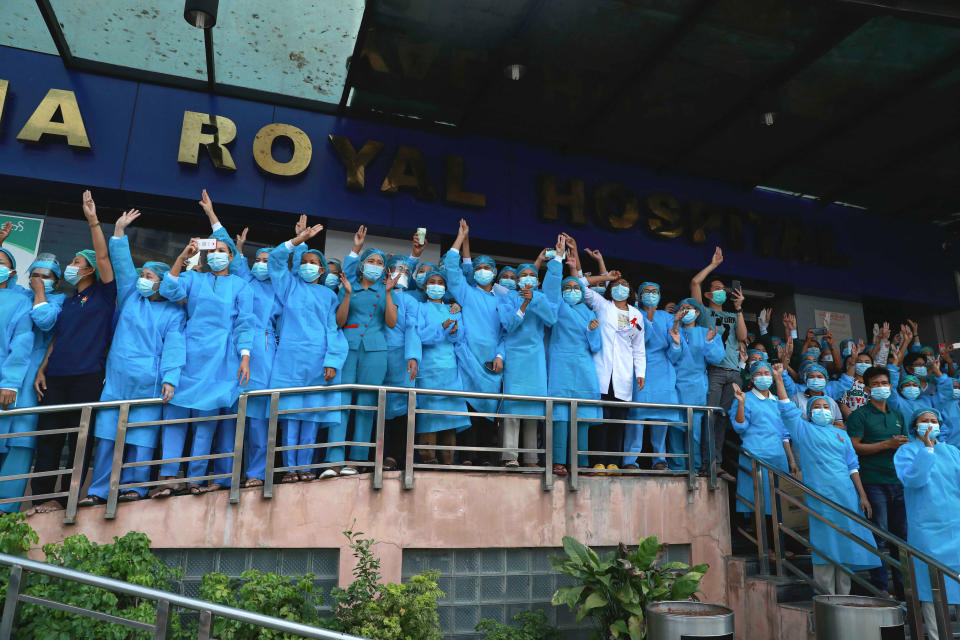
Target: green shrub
614,590
529,625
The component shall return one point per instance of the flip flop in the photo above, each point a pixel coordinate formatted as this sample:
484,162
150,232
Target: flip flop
164,492
128,496
91,501
252,482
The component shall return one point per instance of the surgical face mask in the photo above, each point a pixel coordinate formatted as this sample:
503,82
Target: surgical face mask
372,272
816,384
880,393
260,271
598,290
528,282
145,287
420,279
572,296
331,280
508,283
920,372
956,394
930,429
827,358
309,272
821,417
910,393
435,291
690,317
218,260
650,300
48,287
762,382
815,352
483,276
620,292
72,274
402,281
861,368
847,351
719,296
4,273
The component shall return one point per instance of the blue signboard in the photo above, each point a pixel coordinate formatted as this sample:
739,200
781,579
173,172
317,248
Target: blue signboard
138,142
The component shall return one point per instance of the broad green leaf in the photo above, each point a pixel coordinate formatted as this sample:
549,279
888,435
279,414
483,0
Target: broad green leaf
637,627
594,600
646,553
686,586
578,552
618,627
568,595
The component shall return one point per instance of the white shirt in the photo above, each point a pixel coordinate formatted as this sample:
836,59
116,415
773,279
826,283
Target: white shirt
623,358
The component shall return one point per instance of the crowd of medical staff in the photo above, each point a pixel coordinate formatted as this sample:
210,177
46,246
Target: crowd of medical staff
874,427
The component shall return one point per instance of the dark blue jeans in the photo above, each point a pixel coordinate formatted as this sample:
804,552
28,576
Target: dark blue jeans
886,501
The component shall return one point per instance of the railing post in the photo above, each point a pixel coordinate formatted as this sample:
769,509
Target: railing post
205,626
163,616
411,437
10,605
759,511
379,439
574,449
271,444
119,442
777,521
711,454
691,472
909,579
548,446
941,606
241,426
79,460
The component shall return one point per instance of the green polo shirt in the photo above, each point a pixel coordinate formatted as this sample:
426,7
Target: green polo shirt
872,425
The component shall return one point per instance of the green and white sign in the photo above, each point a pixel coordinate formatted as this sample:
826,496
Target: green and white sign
23,241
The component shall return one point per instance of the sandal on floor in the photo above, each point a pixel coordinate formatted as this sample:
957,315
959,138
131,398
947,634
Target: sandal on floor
511,464
128,496
194,490
289,477
47,507
249,483
91,501
348,471
163,492
210,488
559,470
389,464
307,476
329,472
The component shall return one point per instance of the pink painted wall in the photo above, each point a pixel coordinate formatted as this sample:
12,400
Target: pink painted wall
444,510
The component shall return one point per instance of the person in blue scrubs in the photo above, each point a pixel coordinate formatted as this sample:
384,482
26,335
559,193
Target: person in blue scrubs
525,315
439,331
219,338
930,473
947,401
366,311
701,347
663,353
507,278
480,353
332,278
909,397
145,361
571,373
311,352
832,469
44,274
73,369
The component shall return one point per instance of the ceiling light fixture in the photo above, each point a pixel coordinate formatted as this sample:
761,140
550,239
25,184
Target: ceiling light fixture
515,71
769,117
201,14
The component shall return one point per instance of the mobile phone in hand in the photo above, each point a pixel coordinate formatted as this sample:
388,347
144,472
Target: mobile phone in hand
207,244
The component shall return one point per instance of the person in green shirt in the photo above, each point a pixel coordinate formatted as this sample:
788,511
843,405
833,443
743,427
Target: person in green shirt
876,432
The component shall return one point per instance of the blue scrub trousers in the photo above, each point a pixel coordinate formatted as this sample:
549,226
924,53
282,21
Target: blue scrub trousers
633,441
103,460
17,461
256,449
361,367
677,443
561,431
212,435
297,432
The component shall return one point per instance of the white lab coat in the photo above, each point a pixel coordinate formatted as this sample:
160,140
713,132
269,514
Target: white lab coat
623,357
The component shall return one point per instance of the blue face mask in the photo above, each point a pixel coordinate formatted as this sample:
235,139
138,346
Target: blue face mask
815,352
372,272
483,276
620,292
598,290
420,279
920,372
260,271
145,287
816,384
572,296
821,417
331,280
690,317
861,368
930,429
719,296
508,283
528,282
47,286
650,300
309,272
4,273
956,394
910,393
762,382
72,274
435,291
218,260
846,352
880,393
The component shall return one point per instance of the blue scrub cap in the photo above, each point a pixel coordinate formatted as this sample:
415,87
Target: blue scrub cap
159,268
760,364
424,263
914,347
395,259
648,284
763,354
905,379
527,265
334,261
813,366
266,250
808,352
435,272
372,251
693,303
44,263
487,260
920,412
507,268
91,257
319,254
13,263
930,349
806,412
571,279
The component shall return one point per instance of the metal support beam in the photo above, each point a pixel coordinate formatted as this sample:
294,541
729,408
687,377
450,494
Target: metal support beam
816,48
211,63
644,67
358,45
53,26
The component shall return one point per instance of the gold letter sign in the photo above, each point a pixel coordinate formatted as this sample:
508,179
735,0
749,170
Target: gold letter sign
3,96
355,162
263,150
192,136
551,200
453,175
70,124
409,171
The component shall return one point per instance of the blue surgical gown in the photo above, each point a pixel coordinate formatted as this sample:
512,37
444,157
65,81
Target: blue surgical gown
763,434
691,368
829,462
16,343
148,350
660,384
570,369
905,406
438,369
949,409
931,493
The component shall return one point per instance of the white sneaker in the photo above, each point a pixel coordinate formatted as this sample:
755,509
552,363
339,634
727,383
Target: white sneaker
348,471
328,473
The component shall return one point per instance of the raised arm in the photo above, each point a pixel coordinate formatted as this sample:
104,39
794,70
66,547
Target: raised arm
104,268
120,258
696,284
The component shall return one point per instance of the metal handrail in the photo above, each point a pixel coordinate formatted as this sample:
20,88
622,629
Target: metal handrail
689,423
938,571
18,566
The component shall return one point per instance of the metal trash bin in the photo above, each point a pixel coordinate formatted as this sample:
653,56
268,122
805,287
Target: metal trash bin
856,618
688,620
